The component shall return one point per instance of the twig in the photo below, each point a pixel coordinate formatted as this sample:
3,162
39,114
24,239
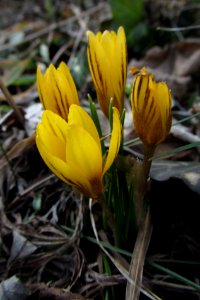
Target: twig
61,50
31,188
175,286
53,26
80,34
23,97
181,132
8,161
174,29
11,102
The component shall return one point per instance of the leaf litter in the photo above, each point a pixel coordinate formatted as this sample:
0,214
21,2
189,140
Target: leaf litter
44,253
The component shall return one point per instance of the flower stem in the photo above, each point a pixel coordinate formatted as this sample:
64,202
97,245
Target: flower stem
138,257
143,216
141,173
108,213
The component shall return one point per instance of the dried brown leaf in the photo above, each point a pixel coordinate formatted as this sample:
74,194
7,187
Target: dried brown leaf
188,172
43,292
17,150
175,63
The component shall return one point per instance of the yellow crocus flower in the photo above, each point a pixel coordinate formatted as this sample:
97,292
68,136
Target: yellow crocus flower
151,106
72,150
107,57
57,90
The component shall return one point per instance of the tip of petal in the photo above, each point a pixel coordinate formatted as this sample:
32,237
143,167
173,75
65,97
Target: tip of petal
134,70
39,70
89,33
62,64
121,32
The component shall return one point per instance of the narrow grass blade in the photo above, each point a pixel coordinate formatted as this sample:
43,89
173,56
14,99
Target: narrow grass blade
177,150
176,276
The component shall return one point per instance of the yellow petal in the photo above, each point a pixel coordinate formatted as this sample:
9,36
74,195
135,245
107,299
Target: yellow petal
46,138
63,171
98,61
119,65
100,71
71,88
141,91
98,35
55,124
122,53
83,153
91,188
108,43
55,164
114,142
58,87
162,92
79,116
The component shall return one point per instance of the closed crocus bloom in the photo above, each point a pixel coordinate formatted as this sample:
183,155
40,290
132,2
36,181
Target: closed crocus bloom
151,106
57,90
107,57
72,150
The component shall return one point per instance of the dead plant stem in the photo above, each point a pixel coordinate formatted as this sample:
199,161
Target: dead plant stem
11,102
143,215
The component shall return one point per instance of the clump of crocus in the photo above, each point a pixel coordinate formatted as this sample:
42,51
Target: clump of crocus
57,90
151,106
72,150
107,57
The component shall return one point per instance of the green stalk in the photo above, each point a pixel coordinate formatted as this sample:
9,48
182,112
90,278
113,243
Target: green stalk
96,122
176,276
110,110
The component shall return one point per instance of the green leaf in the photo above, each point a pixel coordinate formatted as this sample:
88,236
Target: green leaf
127,12
15,72
37,202
26,79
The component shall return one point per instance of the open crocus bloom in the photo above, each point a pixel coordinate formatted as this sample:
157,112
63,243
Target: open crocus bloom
72,150
151,106
57,90
107,57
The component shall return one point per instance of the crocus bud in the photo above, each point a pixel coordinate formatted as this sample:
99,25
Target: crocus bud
57,90
151,107
107,57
